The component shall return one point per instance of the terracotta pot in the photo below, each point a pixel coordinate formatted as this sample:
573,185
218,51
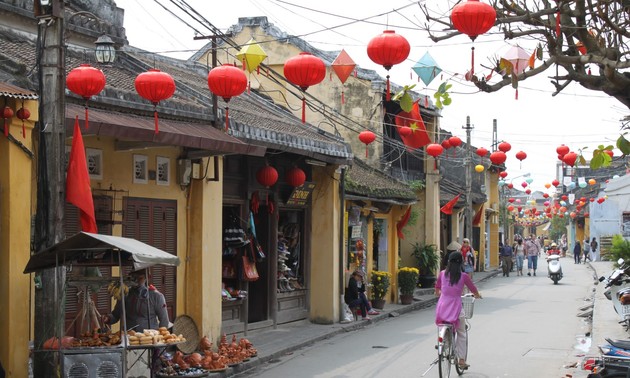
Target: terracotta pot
406,299
378,303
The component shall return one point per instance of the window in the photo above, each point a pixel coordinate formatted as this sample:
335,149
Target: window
140,169
163,173
94,159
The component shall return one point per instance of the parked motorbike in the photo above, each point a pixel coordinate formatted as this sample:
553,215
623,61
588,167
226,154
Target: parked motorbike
618,291
614,361
554,269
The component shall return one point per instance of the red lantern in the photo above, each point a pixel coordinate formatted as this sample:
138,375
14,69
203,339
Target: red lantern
497,157
267,176
23,114
388,49
511,200
155,86
545,195
481,152
227,81
521,155
446,144
7,113
510,186
555,183
524,184
570,158
504,146
609,153
295,177
592,199
564,197
473,18
304,70
503,174
562,150
528,191
510,208
455,141
405,131
86,81
434,150
367,137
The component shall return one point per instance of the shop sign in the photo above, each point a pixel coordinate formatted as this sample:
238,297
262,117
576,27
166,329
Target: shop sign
299,195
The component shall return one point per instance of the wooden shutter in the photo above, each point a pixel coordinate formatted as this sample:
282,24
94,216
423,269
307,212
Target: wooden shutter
155,222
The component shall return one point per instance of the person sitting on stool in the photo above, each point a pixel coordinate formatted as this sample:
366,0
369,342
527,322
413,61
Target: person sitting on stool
352,297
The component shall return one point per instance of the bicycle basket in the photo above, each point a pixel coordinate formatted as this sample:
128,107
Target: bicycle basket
468,304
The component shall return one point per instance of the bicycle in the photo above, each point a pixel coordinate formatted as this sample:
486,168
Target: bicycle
447,338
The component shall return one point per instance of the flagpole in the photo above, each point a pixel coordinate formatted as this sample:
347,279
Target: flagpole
468,166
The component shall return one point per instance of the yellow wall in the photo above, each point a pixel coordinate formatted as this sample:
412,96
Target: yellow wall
493,203
325,236
16,186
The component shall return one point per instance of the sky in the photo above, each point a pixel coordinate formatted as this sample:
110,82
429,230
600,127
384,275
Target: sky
536,123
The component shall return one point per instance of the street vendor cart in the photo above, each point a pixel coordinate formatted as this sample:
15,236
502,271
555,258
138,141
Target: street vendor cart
76,359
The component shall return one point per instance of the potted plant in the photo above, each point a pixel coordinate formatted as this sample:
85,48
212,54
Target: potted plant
407,280
427,258
380,281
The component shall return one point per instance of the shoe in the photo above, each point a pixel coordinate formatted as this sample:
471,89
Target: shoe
463,365
529,274
366,318
534,274
373,312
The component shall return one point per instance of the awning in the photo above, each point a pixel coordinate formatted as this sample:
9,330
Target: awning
130,127
9,90
84,246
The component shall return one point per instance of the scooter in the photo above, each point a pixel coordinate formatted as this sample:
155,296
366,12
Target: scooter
554,269
613,362
618,291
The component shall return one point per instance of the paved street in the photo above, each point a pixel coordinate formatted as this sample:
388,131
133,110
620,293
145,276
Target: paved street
524,327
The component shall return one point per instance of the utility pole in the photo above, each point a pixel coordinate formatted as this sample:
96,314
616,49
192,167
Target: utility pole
49,219
468,166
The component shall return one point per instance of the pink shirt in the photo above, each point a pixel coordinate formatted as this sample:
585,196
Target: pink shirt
449,305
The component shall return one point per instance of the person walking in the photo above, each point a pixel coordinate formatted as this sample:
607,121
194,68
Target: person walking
469,257
449,287
519,251
506,253
577,252
594,246
587,250
532,251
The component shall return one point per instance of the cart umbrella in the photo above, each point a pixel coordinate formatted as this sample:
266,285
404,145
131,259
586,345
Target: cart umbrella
85,244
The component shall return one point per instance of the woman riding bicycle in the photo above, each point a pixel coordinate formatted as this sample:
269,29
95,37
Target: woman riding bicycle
449,287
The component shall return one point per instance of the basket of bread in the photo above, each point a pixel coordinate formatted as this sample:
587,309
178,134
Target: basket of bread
150,337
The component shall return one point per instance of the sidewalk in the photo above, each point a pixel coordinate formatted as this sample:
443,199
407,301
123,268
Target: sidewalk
275,343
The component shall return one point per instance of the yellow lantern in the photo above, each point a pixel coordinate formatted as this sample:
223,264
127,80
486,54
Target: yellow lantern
592,182
479,168
547,185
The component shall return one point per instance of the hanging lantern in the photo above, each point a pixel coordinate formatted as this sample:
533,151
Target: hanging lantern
524,184
511,200
592,199
479,168
295,177
562,150
267,176
528,191
23,114
455,141
504,146
547,185
564,197
86,81
510,185
510,208
497,157
155,86
434,150
7,113
388,49
304,71
473,18
367,137
405,131
482,152
503,174
251,55
570,158
555,183
227,81
343,66
521,155
592,182
446,144
545,195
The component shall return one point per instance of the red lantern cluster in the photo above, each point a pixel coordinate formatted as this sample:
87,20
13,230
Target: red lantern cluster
388,49
155,86
86,81
227,81
304,71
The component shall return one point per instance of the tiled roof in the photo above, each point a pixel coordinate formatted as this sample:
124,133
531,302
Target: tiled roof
9,90
362,180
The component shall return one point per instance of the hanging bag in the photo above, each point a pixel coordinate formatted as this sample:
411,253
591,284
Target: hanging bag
250,273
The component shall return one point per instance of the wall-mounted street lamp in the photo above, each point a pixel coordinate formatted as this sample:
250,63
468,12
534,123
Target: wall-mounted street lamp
105,52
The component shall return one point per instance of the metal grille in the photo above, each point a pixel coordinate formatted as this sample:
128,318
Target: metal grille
468,304
108,369
79,370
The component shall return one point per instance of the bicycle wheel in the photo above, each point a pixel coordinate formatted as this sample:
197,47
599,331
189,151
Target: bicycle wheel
444,358
459,370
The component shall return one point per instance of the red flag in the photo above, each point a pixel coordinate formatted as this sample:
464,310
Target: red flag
477,218
448,208
78,191
403,222
419,136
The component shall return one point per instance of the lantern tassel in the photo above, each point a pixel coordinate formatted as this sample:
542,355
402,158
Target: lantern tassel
6,128
258,70
558,22
23,130
516,94
155,118
366,150
244,65
303,109
87,120
343,97
387,95
472,60
227,118
426,101
249,87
